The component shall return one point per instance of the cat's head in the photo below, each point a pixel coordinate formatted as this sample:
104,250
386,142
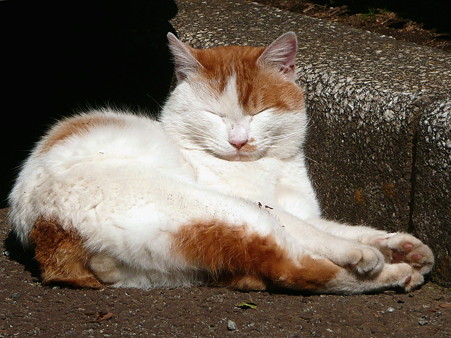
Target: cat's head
237,103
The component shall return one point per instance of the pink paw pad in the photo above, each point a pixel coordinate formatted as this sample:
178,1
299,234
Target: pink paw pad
398,256
407,247
416,257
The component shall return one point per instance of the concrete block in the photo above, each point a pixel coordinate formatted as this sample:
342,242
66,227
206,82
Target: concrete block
431,209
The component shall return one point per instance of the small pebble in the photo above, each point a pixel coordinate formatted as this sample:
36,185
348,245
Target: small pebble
15,295
231,326
390,309
422,322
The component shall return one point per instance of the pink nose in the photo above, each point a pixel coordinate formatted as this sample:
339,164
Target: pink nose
238,144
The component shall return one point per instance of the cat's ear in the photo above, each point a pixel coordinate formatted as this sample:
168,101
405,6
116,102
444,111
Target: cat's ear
184,61
281,54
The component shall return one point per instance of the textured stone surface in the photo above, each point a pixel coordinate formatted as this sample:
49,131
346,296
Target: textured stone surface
378,142
431,216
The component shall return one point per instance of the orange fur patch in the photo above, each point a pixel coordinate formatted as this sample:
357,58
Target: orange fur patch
234,257
61,255
77,125
248,283
259,87
248,147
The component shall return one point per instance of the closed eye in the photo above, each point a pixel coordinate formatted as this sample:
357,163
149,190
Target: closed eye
214,113
264,109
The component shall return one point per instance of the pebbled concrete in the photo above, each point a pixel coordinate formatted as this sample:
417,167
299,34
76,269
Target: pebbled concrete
379,135
431,190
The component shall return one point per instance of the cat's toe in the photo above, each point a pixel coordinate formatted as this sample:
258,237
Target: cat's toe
366,260
415,280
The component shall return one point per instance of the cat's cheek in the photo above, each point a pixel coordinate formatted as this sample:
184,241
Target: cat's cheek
219,143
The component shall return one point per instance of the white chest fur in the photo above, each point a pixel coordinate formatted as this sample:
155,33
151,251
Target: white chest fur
238,178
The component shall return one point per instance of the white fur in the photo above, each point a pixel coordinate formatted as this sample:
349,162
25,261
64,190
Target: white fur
127,188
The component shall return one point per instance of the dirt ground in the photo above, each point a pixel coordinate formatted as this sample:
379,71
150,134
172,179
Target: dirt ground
422,22
28,308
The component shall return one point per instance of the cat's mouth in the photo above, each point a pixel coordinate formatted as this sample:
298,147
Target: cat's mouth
243,156
245,153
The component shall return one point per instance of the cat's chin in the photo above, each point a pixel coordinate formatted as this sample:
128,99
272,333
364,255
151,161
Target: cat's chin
241,157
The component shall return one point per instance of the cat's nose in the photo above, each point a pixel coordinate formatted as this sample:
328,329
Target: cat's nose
238,143
238,136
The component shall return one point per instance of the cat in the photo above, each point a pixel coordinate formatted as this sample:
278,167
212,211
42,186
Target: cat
215,191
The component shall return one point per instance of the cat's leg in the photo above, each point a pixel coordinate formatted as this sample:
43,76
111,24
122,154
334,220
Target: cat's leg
396,247
61,255
218,233
358,257
254,253
241,257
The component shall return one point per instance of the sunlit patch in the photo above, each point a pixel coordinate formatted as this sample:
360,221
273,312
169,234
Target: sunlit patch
78,125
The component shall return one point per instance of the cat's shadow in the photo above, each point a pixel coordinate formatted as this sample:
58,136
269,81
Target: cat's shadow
24,256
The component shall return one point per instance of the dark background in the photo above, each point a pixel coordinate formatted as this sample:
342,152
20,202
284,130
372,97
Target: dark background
63,56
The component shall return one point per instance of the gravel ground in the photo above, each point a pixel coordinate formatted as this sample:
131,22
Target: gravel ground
28,308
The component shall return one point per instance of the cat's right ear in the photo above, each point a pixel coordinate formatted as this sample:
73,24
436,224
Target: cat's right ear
184,60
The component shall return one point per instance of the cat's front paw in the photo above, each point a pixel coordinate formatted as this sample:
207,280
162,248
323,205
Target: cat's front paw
365,260
405,248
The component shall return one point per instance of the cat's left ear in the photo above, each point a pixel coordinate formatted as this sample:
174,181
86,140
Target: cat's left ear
281,54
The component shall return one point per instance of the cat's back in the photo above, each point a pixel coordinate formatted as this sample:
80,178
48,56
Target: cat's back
91,157
101,132
99,139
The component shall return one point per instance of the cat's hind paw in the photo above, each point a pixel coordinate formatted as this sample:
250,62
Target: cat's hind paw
105,268
405,248
401,276
366,260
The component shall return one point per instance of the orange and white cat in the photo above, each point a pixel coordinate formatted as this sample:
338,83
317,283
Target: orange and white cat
216,191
